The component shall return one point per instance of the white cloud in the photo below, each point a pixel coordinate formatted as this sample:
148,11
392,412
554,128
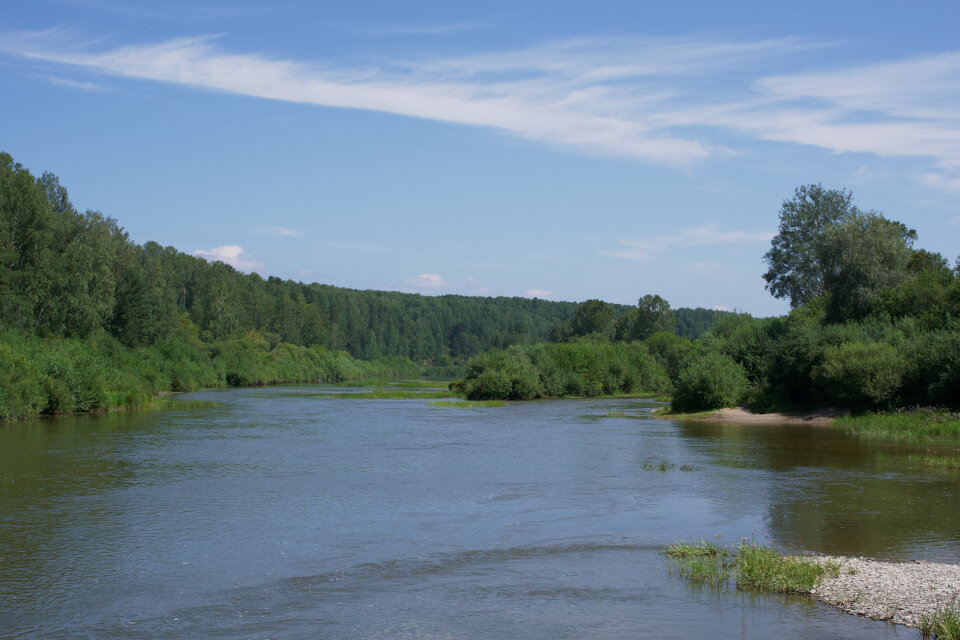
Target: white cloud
575,93
645,99
279,231
538,293
652,246
83,85
720,307
426,282
231,254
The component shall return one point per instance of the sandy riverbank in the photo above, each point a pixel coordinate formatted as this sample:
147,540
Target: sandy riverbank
820,417
900,592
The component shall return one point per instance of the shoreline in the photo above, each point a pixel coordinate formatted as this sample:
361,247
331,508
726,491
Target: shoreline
898,592
739,415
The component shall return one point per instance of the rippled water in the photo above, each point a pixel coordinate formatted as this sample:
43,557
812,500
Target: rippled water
279,514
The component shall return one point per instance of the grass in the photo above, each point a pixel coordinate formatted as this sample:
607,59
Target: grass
700,561
944,624
920,424
755,567
762,568
466,404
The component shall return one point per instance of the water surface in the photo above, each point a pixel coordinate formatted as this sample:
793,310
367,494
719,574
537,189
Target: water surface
280,514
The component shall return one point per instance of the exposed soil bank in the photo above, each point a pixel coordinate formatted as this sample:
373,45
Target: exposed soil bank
900,592
739,415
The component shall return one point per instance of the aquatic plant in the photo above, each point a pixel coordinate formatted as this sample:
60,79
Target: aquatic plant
762,568
943,624
700,561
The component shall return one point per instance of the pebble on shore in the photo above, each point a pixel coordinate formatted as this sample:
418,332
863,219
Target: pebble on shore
899,592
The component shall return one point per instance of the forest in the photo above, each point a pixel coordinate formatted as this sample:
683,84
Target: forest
874,325
90,319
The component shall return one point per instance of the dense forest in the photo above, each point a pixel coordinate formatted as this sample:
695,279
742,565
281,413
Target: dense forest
875,325
81,304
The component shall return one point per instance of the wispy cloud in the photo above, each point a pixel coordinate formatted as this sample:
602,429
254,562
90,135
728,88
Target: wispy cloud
231,254
83,85
655,100
652,246
279,231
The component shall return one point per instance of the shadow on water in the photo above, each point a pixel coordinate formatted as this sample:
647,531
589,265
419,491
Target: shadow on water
832,493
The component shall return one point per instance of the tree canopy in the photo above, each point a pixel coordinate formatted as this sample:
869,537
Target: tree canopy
794,260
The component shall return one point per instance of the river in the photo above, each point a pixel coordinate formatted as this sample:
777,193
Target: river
282,514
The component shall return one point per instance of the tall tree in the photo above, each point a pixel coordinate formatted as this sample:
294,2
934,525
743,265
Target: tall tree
651,316
795,269
862,256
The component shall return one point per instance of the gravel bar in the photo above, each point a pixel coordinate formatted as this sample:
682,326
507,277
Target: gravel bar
899,592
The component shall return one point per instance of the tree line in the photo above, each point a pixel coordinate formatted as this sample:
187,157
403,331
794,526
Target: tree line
874,325
90,319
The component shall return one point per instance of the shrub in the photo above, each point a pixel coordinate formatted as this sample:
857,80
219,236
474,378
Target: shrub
709,382
860,375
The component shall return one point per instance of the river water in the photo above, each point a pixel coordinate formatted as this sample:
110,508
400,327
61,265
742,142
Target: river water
282,514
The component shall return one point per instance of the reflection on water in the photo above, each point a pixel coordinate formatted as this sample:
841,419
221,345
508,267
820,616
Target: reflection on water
277,514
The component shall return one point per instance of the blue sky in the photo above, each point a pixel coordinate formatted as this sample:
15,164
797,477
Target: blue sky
544,149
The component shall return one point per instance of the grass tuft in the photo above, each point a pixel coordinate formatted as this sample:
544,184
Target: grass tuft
755,566
762,568
699,561
943,624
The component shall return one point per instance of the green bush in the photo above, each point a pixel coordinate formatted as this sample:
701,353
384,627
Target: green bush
564,369
709,382
860,375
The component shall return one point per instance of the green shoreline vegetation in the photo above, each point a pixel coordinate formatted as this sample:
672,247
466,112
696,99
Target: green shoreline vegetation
90,320
752,565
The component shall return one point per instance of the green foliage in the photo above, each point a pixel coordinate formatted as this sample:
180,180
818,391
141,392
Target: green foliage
920,424
710,381
652,315
943,624
795,269
65,375
559,370
859,375
670,351
693,323
762,568
700,561
861,256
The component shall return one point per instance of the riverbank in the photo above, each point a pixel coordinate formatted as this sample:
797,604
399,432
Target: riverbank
739,415
906,593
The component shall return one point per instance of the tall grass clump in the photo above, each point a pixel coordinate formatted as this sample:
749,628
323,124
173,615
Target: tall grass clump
762,568
700,561
943,624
